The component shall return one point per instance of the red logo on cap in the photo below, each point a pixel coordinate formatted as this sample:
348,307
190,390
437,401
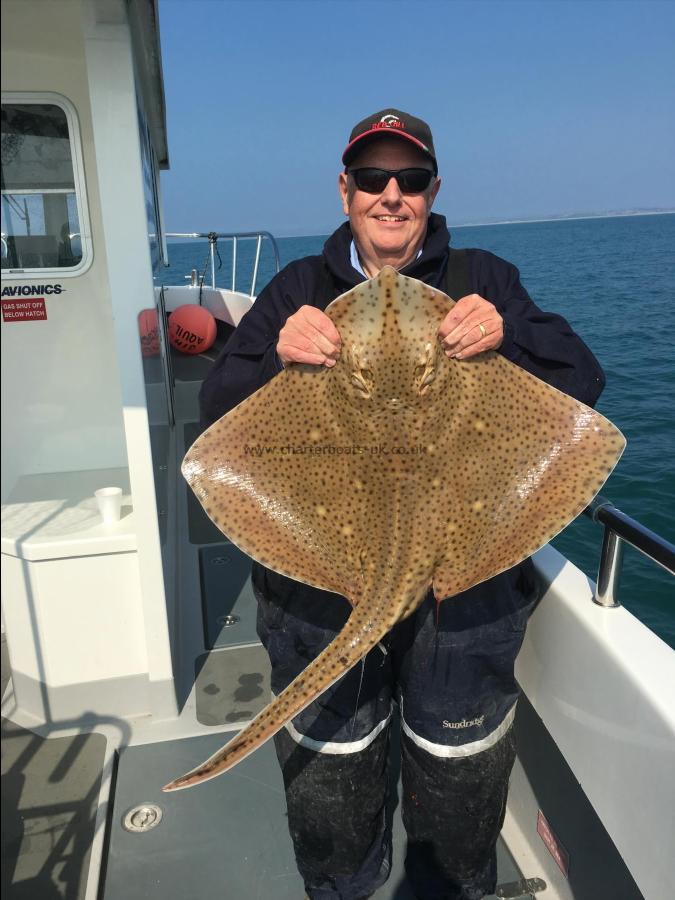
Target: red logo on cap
389,121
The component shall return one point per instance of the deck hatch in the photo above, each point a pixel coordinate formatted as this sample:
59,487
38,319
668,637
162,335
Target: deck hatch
142,818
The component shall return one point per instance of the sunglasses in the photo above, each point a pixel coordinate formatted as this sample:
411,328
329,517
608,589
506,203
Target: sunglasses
374,181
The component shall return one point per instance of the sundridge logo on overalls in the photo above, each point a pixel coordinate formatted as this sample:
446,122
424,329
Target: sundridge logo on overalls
465,723
389,121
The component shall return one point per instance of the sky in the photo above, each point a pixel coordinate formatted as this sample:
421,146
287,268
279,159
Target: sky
537,107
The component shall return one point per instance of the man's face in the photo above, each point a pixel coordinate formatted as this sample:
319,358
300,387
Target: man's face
390,226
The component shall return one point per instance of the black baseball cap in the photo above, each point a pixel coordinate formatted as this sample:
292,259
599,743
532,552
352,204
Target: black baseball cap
392,123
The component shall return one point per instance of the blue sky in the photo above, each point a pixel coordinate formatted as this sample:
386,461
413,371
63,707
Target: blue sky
538,107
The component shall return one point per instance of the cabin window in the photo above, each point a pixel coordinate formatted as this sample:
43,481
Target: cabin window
43,209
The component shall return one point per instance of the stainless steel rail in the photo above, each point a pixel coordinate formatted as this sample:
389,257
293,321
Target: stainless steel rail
214,236
620,529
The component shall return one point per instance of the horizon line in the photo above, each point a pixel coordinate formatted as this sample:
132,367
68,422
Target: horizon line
553,218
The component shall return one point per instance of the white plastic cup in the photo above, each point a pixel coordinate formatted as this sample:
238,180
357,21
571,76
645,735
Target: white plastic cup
109,501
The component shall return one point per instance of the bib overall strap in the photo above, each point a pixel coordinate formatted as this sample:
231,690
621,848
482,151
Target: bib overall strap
457,282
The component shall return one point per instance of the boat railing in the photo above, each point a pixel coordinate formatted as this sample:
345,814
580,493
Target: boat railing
235,237
620,529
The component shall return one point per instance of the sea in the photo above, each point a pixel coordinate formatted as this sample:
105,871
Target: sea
613,279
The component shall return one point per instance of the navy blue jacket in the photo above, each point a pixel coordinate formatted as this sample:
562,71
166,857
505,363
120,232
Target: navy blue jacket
542,343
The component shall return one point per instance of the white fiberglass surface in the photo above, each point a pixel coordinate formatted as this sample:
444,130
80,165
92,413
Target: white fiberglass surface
602,684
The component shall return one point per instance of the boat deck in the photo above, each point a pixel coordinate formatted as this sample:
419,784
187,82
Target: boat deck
232,832
227,838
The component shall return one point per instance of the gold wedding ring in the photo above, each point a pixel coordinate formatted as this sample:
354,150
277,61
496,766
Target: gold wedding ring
482,329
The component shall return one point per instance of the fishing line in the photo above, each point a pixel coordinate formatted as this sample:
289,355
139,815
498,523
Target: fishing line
358,697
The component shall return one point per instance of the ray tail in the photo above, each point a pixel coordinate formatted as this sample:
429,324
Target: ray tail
363,631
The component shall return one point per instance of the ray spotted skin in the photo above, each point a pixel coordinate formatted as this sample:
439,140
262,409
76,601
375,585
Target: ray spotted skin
394,471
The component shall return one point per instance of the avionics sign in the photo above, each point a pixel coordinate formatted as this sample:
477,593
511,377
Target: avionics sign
26,302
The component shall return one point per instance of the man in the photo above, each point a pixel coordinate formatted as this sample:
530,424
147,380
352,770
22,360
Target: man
451,672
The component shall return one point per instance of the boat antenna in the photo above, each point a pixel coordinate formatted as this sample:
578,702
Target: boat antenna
213,248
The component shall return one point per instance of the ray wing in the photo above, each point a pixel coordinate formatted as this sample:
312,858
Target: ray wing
527,459
280,478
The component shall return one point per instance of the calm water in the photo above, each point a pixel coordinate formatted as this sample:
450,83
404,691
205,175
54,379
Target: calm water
614,280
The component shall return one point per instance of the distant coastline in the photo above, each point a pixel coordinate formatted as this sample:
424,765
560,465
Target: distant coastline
566,217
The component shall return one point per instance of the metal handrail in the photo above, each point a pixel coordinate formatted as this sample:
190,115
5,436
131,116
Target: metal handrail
214,236
620,529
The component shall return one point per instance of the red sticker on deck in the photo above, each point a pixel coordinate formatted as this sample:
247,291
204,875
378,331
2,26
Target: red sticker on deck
31,310
555,848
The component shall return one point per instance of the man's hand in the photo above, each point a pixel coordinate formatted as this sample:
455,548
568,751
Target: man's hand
472,326
309,336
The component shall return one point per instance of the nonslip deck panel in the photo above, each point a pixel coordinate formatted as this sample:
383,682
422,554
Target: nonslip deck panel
226,838
231,685
50,792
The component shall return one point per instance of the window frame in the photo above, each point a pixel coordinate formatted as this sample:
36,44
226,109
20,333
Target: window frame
74,135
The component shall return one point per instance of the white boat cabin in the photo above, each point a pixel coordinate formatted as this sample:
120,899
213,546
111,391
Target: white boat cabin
111,626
